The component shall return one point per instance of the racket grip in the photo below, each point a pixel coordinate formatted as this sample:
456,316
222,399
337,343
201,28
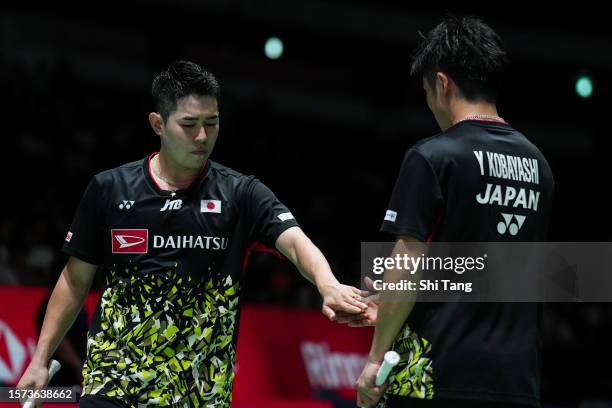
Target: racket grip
54,367
390,361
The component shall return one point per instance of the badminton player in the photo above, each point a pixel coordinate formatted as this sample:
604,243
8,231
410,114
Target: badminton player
462,185
170,232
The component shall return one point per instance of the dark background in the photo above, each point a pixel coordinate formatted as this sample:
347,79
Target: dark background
325,127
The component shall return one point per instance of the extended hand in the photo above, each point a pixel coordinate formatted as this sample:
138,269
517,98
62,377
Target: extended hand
338,298
366,317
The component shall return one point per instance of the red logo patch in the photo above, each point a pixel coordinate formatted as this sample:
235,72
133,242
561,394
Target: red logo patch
130,241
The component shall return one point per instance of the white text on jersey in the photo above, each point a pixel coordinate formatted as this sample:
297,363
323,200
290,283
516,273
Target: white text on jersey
509,167
190,242
509,196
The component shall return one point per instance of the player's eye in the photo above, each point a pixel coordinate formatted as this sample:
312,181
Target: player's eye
188,125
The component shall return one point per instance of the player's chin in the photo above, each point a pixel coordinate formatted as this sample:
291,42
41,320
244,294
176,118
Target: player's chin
196,159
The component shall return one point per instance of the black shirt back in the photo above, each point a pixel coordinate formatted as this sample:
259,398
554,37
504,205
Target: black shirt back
476,182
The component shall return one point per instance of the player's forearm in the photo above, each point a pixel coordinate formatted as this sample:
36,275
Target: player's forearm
64,305
312,264
395,307
306,257
391,317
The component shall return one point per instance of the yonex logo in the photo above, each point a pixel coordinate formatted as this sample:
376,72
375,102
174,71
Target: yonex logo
512,224
127,204
172,205
134,241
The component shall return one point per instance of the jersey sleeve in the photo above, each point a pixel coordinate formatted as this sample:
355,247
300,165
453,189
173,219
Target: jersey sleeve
416,200
84,239
267,215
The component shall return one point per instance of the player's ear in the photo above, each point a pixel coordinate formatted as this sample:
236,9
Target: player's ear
443,83
157,123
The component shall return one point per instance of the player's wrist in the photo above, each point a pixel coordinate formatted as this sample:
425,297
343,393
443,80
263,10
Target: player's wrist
324,284
41,357
376,358
39,360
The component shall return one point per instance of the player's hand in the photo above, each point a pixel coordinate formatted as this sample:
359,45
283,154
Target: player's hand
36,376
366,317
342,298
368,393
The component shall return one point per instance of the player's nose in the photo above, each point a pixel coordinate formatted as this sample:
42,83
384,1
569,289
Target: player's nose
202,136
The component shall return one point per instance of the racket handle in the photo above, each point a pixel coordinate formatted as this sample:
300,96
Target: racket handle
390,361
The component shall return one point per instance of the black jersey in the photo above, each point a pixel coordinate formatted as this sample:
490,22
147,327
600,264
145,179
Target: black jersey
476,182
165,328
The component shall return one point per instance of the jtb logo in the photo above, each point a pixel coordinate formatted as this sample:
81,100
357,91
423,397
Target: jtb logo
133,241
172,205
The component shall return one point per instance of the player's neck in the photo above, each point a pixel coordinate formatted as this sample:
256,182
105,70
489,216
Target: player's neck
461,110
171,176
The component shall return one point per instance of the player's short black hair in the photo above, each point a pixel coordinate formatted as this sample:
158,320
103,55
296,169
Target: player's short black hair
467,50
181,79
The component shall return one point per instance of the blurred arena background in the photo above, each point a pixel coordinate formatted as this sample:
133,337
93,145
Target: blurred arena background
325,124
